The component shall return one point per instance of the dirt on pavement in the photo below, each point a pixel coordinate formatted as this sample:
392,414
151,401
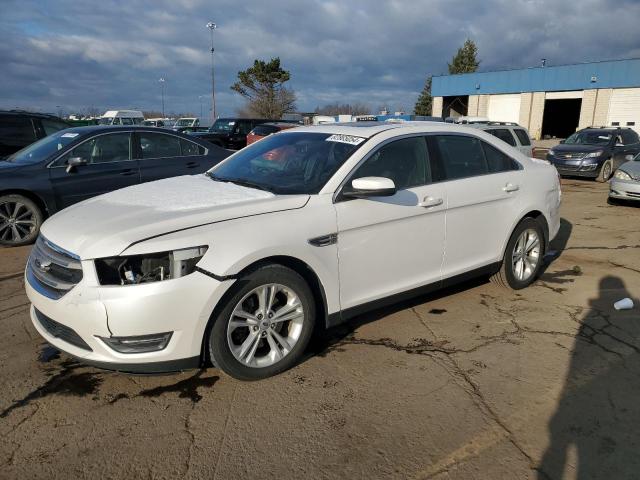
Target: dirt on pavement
472,382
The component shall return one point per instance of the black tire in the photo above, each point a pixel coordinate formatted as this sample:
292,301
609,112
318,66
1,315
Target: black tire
605,171
218,343
20,220
506,276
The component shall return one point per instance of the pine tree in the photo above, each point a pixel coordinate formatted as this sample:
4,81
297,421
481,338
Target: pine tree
425,100
465,60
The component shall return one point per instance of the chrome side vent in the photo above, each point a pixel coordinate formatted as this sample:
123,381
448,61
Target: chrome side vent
51,270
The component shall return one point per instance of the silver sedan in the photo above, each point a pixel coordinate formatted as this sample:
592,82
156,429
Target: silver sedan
625,183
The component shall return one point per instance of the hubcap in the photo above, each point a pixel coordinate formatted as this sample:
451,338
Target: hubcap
607,171
526,255
17,221
265,325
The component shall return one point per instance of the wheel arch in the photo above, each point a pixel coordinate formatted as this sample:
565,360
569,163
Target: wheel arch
39,201
536,215
295,264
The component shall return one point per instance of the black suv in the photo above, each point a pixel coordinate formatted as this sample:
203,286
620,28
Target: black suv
19,129
594,152
231,132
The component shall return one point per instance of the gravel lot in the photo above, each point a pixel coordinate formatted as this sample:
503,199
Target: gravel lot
473,382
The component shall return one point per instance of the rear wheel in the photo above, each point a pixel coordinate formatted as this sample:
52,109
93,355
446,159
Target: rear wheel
522,257
605,171
20,220
265,324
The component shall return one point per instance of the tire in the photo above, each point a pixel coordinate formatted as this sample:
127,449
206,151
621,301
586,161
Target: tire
20,220
256,345
605,171
514,263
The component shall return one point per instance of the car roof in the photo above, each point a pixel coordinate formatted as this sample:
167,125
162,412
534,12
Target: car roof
30,114
369,129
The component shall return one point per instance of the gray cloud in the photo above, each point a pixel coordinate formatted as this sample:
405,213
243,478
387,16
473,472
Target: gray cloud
111,54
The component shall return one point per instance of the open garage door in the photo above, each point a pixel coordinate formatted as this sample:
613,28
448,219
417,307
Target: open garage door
561,117
624,108
504,108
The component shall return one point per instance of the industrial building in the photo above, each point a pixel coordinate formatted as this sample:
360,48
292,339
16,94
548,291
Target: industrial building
550,101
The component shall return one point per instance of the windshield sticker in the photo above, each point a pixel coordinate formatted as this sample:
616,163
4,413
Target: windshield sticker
350,139
69,135
604,137
232,123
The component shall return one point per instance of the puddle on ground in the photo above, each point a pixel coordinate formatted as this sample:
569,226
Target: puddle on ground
187,388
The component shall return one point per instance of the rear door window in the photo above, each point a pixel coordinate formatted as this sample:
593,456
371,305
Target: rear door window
522,136
461,156
503,134
159,145
498,161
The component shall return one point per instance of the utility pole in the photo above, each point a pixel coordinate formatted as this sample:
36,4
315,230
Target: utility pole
212,26
162,89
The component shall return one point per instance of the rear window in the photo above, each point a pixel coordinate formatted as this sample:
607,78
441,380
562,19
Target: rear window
522,136
264,130
16,130
504,135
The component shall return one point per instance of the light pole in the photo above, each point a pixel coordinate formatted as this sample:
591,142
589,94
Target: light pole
162,90
212,26
200,97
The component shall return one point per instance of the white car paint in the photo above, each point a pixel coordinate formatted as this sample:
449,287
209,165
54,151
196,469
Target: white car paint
385,245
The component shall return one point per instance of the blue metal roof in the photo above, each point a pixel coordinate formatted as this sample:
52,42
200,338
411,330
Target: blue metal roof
608,74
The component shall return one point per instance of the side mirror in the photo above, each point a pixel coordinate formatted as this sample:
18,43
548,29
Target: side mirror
74,162
561,141
370,187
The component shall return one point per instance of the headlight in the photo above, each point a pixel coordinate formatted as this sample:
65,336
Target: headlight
595,154
621,175
151,267
551,152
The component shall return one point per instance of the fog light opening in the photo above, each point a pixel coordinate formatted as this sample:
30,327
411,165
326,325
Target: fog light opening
138,344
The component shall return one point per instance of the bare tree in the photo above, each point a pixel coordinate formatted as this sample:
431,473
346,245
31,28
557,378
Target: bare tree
344,109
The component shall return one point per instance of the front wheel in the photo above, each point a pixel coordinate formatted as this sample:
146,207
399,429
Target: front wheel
20,220
265,324
605,171
522,257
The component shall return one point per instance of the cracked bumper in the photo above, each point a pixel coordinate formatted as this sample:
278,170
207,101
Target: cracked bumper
182,306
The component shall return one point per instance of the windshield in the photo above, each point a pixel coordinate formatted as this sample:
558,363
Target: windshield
184,122
44,148
222,125
288,163
589,137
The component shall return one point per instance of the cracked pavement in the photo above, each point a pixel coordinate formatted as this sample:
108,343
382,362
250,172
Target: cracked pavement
472,382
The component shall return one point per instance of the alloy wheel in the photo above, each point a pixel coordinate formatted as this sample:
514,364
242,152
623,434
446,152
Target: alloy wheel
526,255
17,221
606,171
265,325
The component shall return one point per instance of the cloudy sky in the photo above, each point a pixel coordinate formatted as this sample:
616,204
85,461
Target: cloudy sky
110,54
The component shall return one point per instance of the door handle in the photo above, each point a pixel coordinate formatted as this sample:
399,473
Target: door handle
192,164
429,202
127,172
510,187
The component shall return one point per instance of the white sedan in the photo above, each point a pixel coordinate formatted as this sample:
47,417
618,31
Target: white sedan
309,226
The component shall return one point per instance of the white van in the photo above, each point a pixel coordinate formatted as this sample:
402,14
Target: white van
121,117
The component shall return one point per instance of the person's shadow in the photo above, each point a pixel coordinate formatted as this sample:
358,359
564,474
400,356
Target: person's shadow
597,422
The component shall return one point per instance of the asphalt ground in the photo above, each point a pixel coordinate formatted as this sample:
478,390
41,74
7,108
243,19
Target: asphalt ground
474,382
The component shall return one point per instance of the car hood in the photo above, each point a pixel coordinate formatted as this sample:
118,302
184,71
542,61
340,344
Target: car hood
106,225
632,168
577,148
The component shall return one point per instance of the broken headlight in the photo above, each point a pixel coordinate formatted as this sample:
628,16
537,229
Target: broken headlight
150,267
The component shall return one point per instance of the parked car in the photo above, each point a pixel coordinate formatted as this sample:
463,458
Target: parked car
240,263
231,132
121,117
78,163
594,152
266,129
153,122
625,183
189,124
19,129
510,133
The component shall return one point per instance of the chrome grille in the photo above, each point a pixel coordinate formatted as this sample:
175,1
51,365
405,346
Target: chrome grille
570,155
52,270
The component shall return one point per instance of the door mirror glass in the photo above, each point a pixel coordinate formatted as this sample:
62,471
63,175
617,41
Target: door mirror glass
74,162
365,187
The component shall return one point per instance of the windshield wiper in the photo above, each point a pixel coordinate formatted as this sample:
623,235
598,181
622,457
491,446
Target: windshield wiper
241,182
